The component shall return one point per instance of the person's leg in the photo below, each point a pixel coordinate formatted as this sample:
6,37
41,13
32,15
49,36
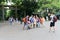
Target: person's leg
31,25
50,27
35,25
23,26
10,22
53,29
20,22
53,26
38,24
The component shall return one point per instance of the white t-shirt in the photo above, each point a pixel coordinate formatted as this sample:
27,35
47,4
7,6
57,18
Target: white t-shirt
10,19
52,16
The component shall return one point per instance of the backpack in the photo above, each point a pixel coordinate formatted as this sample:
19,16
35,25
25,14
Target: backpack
54,19
31,19
24,19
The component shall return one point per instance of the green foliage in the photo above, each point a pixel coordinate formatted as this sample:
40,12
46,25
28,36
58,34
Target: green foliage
8,13
52,5
2,1
27,7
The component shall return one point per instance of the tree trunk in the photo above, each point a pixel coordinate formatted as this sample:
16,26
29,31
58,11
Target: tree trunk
3,12
16,12
24,13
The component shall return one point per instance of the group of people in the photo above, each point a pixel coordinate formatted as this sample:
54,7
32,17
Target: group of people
32,21
35,21
11,20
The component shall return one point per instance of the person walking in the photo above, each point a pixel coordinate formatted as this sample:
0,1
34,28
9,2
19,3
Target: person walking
10,20
35,22
42,19
52,22
31,21
25,20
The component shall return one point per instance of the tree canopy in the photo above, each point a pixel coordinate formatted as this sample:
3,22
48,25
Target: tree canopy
27,7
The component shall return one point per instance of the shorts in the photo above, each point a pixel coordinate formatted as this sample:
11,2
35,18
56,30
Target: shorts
52,24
